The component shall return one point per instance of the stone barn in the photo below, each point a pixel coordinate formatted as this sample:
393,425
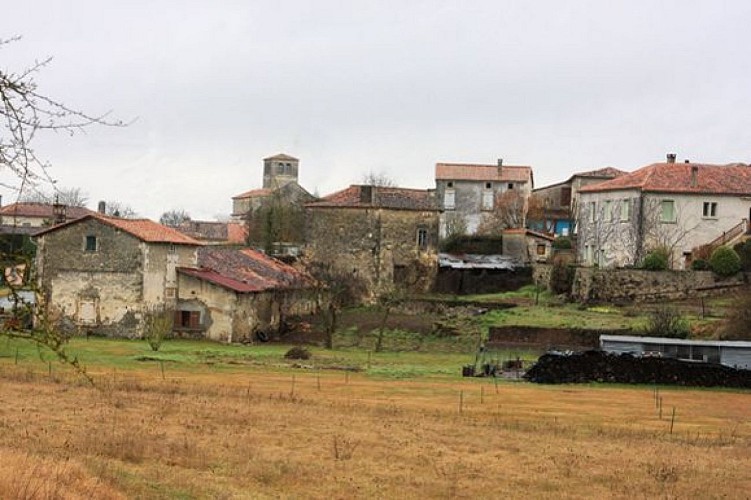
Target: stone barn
100,274
237,295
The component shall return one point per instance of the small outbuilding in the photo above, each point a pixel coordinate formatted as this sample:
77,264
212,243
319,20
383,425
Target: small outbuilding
733,353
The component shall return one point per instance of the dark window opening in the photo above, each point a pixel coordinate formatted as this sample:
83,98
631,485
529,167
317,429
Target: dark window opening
511,185
488,185
91,244
541,249
422,239
566,196
190,320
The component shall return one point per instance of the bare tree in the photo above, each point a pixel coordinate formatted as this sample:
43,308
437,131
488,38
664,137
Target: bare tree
72,197
373,178
25,113
454,225
335,288
538,209
119,209
174,217
279,218
509,212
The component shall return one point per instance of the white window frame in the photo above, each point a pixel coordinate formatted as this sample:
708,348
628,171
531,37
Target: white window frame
709,210
674,215
625,210
488,199
449,199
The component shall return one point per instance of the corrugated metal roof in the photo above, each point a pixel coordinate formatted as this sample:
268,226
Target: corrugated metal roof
669,341
476,261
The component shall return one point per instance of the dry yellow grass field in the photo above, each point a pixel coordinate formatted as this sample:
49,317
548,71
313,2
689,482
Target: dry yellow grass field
297,434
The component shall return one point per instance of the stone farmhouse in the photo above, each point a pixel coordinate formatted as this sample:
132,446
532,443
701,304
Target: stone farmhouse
385,235
556,204
469,192
102,273
238,295
675,206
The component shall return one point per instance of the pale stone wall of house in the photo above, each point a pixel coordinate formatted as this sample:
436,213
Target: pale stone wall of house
468,200
612,242
17,220
216,304
161,261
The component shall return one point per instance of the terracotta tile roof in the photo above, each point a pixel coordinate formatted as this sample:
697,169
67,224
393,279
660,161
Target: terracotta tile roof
608,172
246,271
282,157
474,172
396,198
41,210
143,229
253,193
222,232
732,179
529,232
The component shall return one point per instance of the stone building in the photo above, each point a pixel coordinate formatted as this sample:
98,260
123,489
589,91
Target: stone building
274,213
239,294
28,214
552,208
678,207
526,246
102,273
385,235
469,193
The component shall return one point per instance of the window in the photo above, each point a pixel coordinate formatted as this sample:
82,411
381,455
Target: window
450,184
190,320
488,185
710,209
541,249
90,244
565,196
172,248
667,213
608,210
510,185
592,210
625,210
487,200
422,238
449,199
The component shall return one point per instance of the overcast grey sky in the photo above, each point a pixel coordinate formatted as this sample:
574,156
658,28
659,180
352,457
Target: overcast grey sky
350,87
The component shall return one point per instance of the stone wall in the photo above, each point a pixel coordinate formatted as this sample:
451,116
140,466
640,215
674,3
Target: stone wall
373,242
638,285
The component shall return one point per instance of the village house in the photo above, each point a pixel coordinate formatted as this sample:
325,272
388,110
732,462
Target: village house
470,193
239,295
274,213
678,207
101,274
552,208
385,235
36,215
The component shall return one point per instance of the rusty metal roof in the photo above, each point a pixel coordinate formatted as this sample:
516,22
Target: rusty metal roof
246,271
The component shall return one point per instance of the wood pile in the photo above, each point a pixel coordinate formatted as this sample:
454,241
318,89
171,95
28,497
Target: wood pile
598,366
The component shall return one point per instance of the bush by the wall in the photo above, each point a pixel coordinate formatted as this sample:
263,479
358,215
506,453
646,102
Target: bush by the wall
562,243
700,265
744,252
725,262
656,260
475,244
561,278
667,322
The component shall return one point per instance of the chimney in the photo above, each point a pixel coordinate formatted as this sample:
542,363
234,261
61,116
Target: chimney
102,208
694,176
500,162
686,161
671,157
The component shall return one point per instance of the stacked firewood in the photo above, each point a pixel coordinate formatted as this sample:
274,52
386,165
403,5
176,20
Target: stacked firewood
598,366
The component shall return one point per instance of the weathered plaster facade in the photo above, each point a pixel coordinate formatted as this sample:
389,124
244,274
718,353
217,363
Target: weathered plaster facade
100,278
